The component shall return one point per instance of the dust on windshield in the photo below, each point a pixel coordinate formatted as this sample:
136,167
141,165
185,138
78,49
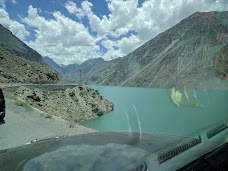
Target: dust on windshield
75,67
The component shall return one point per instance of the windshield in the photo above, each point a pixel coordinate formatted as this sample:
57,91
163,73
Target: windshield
139,67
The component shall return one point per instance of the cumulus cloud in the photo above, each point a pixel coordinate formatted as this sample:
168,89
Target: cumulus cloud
15,27
73,9
128,44
61,38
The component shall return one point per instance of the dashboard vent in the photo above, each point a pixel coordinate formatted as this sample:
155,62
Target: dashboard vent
179,148
217,129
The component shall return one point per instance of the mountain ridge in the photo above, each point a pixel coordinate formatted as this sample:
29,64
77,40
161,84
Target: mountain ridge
13,44
52,64
21,64
71,72
181,55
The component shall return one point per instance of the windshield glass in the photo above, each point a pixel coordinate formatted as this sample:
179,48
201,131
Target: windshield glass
72,67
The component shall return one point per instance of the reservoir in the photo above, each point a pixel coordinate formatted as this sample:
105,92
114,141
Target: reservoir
152,110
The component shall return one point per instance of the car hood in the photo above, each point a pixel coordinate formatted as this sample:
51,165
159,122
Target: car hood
105,151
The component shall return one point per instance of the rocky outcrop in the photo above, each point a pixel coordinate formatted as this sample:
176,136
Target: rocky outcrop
74,104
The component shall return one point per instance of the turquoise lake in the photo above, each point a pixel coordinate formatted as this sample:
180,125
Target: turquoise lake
152,110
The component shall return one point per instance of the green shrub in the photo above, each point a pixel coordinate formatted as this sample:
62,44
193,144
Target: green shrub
9,95
27,107
17,101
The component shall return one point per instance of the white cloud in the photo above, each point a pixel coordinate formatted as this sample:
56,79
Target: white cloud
15,27
14,1
127,45
111,49
73,9
2,4
116,24
61,38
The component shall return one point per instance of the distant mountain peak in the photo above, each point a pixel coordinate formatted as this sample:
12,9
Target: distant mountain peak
95,59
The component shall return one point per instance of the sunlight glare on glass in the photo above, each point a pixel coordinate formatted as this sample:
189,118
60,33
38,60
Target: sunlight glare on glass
188,96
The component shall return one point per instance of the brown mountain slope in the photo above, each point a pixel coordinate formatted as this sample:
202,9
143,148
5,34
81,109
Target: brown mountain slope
221,63
20,63
13,44
181,55
15,69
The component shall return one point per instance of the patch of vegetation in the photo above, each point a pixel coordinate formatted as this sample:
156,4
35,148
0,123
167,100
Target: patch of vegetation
9,95
27,107
17,101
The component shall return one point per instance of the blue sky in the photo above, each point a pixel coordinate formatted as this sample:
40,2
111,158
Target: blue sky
72,31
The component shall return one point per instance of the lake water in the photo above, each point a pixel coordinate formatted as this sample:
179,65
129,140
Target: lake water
152,110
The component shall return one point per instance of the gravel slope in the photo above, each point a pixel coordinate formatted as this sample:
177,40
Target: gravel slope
22,126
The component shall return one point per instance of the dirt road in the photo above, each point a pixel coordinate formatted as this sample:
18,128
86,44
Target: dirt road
21,126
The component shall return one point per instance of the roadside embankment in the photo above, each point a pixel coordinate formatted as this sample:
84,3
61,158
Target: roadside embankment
75,104
23,125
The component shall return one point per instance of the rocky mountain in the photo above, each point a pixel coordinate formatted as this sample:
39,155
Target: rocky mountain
184,54
15,69
221,63
61,69
90,70
53,64
13,44
21,64
67,69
